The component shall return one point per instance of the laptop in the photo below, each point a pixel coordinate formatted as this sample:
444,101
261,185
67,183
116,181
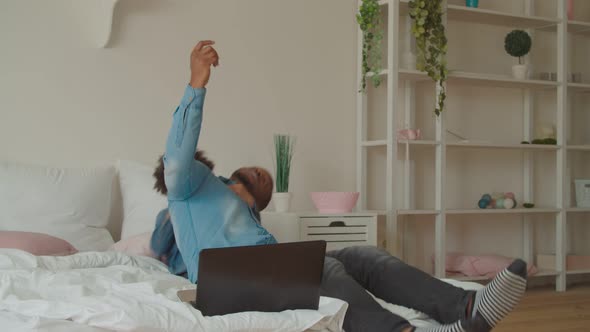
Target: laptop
269,278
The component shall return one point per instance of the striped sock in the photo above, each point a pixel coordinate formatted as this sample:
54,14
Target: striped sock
499,297
456,327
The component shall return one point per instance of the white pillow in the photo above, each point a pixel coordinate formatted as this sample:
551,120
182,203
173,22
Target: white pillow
71,204
141,203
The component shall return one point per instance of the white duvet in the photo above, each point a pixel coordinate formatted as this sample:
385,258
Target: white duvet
94,291
102,291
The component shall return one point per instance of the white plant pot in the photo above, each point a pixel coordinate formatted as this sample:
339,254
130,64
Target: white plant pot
282,201
520,72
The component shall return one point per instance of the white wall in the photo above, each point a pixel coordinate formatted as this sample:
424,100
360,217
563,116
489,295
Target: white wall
286,66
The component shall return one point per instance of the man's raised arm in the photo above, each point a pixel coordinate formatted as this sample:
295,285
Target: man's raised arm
181,173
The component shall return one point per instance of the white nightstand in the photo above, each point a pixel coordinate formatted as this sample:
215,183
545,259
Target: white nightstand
339,231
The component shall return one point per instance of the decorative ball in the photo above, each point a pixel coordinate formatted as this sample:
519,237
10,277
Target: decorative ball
487,197
500,203
509,195
509,203
483,203
497,196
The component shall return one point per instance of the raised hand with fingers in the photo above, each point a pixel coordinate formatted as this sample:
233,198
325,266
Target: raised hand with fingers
203,57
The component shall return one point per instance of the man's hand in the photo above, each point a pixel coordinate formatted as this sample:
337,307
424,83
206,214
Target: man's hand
203,57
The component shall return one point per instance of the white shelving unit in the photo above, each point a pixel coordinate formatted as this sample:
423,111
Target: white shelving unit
399,209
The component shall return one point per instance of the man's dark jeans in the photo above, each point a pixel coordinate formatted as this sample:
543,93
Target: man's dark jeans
351,271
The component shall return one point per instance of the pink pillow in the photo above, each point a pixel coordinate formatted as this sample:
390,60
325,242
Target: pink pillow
483,265
36,243
136,245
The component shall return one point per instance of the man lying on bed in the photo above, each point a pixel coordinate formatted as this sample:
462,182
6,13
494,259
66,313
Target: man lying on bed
205,211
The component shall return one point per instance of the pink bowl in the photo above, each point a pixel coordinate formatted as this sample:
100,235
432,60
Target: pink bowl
334,201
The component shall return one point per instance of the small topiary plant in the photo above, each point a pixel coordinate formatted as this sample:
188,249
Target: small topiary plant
518,44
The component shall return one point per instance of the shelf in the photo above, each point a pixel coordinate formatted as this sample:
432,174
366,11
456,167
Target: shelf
501,211
578,27
579,147
419,142
492,17
498,83
460,77
579,87
540,273
417,212
544,273
461,277
578,209
478,79
504,146
579,272
374,143
383,72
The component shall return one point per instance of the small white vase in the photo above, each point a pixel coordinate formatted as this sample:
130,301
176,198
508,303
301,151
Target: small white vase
282,201
520,72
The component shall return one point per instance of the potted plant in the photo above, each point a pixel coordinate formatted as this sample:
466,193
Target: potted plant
284,148
369,21
431,44
518,44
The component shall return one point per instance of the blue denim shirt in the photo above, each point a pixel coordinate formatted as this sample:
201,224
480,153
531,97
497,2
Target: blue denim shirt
164,245
204,211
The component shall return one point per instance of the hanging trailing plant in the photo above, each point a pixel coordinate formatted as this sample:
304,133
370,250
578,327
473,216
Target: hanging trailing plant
431,43
369,20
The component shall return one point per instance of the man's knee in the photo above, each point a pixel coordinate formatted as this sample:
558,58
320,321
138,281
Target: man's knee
333,267
361,253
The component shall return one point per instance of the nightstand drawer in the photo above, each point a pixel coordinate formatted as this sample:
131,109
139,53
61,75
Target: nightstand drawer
340,232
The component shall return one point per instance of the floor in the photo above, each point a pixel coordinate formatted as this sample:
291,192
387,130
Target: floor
548,311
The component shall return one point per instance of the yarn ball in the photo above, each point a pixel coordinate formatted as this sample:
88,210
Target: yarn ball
492,204
497,196
483,203
487,197
509,195
509,203
500,203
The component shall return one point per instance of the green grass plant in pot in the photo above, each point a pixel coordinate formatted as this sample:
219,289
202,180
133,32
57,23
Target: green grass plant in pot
518,44
284,149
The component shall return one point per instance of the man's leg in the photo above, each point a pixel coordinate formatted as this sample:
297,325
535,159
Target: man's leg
396,282
364,313
392,280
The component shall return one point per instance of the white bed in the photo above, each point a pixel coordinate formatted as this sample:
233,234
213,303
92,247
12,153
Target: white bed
97,290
